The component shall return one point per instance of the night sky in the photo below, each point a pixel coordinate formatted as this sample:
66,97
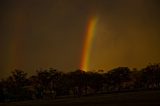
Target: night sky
38,34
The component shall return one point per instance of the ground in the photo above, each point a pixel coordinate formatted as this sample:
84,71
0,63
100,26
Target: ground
141,98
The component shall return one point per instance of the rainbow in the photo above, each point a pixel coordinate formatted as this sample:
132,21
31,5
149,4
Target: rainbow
87,45
15,45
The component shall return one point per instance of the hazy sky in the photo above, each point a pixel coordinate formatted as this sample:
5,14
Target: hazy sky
38,34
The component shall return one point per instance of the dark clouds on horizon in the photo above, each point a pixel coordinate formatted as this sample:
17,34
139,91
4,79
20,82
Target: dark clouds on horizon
49,33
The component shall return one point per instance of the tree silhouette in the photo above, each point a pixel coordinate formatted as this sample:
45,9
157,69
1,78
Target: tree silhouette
77,81
94,80
116,77
15,85
150,76
50,83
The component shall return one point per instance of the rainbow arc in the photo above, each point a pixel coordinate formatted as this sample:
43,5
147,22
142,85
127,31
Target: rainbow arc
87,45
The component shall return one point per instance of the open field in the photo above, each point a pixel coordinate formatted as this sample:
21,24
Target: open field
143,98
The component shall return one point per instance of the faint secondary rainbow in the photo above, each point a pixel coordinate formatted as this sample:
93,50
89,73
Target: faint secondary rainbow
87,45
15,46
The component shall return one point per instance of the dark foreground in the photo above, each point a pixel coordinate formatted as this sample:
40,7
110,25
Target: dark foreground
143,98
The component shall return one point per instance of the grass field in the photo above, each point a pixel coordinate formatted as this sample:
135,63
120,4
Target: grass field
141,98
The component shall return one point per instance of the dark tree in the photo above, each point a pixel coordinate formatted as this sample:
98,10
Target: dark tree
116,78
77,81
150,76
15,86
94,80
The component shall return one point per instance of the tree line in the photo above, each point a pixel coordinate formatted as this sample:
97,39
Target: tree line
51,83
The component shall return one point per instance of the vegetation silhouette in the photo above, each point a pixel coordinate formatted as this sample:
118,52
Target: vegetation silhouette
50,83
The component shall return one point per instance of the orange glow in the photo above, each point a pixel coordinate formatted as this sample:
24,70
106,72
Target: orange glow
87,45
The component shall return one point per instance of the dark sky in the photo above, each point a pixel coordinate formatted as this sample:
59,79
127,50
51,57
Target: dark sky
38,34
